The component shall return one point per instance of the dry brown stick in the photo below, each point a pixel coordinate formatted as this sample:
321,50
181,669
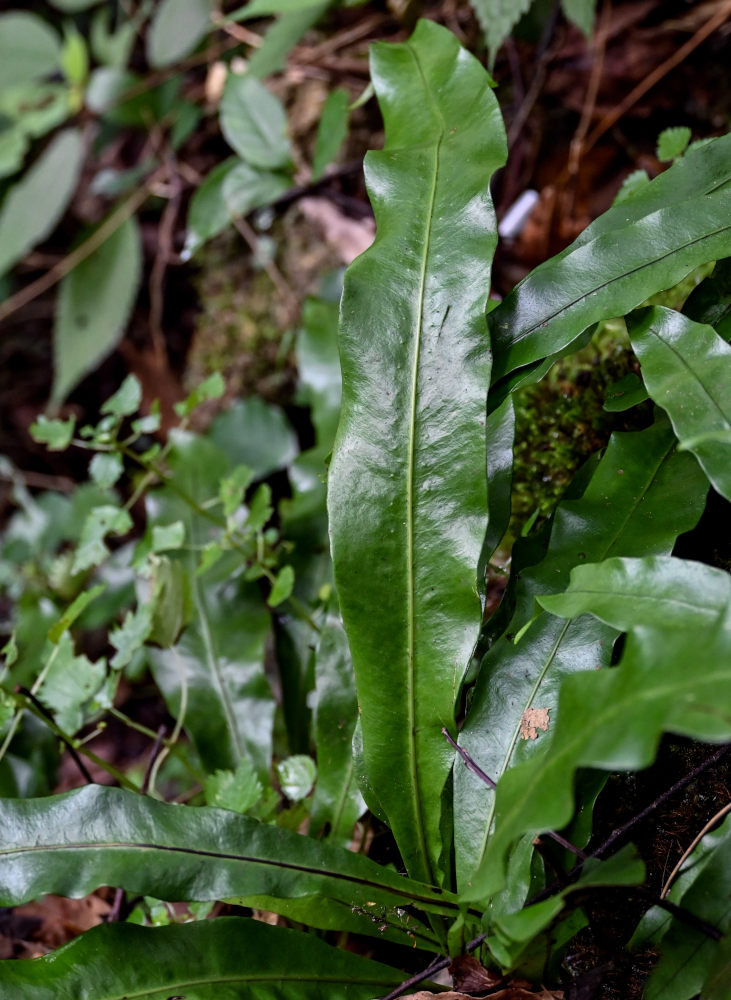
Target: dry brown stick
696,840
84,250
160,264
721,15
339,41
587,112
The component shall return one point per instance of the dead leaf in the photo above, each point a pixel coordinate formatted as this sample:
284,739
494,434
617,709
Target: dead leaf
348,237
426,995
531,721
472,976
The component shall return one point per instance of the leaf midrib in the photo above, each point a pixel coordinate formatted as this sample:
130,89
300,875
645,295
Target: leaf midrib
406,893
598,721
605,284
610,544
684,363
410,496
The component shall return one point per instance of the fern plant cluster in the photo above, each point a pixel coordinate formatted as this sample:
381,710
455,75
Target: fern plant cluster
481,741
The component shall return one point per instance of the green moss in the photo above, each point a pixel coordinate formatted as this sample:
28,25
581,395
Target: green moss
240,330
560,422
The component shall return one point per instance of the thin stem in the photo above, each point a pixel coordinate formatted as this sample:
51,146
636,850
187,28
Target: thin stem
41,708
653,806
436,966
161,755
473,766
34,690
694,843
90,755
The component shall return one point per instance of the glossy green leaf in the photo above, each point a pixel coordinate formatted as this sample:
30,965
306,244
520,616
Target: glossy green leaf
650,692
710,302
689,960
29,48
331,130
690,948
255,433
387,923
175,29
34,205
217,665
686,368
623,868
171,600
94,304
497,19
500,433
658,591
717,981
606,277
318,366
215,673
337,801
254,123
642,495
627,392
228,958
407,491
70,844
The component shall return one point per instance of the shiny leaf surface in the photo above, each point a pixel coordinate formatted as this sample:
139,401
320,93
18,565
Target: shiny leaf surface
659,591
407,491
72,843
686,368
337,801
651,691
226,959
642,495
605,277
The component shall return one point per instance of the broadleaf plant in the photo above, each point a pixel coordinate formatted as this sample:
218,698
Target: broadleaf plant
606,637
